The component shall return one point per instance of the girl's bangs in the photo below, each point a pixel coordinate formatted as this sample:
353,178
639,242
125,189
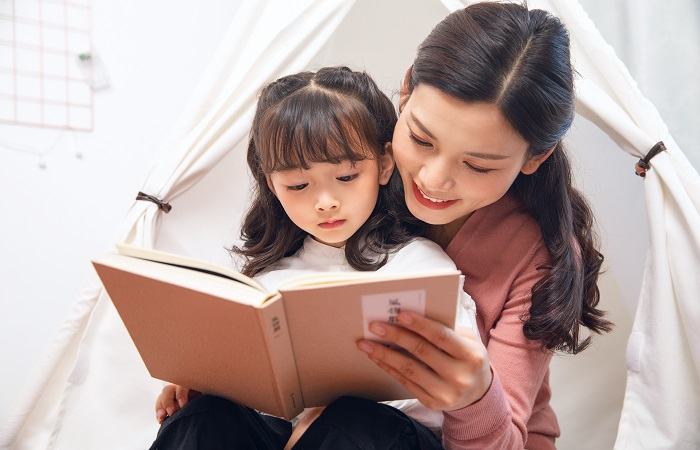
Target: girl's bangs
320,129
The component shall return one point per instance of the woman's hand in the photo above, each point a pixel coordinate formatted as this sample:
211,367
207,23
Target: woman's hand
171,399
452,370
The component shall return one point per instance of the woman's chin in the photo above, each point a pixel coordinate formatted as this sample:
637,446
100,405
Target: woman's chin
429,216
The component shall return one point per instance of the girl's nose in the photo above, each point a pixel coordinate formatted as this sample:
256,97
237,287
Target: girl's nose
327,202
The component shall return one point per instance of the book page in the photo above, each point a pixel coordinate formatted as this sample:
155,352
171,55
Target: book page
187,262
337,278
137,270
386,306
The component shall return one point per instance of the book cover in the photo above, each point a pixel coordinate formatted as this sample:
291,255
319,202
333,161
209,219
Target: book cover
275,352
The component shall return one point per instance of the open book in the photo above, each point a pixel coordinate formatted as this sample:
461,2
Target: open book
217,331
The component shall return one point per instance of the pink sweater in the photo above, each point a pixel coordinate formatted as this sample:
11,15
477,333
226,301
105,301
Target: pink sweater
498,249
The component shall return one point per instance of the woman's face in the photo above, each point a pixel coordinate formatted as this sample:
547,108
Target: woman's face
455,157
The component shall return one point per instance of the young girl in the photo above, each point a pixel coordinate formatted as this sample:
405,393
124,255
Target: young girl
325,199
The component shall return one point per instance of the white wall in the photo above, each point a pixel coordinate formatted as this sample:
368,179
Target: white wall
55,219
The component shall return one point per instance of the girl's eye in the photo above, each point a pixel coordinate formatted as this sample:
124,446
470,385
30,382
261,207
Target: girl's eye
347,178
476,169
419,142
298,187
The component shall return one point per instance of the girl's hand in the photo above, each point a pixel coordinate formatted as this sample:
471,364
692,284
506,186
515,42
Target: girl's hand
451,371
171,399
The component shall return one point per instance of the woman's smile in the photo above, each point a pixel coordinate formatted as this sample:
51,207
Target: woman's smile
430,202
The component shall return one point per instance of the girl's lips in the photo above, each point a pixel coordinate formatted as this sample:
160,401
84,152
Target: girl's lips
429,203
331,224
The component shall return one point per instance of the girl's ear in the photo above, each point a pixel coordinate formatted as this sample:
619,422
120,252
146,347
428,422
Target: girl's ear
269,184
533,163
386,165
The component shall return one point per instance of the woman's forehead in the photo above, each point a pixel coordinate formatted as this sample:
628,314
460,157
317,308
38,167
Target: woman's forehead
471,126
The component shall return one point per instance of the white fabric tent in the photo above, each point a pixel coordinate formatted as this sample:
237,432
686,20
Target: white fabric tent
94,392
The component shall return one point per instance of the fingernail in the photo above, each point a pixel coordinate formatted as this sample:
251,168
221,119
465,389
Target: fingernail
170,410
160,415
365,347
377,329
181,402
405,318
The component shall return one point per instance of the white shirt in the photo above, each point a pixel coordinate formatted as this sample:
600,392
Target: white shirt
420,255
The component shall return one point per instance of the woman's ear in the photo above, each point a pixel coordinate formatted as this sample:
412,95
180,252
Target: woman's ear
386,165
404,93
533,163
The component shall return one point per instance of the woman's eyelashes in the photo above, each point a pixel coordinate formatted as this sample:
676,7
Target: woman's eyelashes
471,167
420,142
476,169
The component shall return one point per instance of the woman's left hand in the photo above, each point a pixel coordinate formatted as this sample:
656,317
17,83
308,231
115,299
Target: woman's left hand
452,370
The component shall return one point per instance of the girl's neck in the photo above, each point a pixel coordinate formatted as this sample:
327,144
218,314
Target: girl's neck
443,234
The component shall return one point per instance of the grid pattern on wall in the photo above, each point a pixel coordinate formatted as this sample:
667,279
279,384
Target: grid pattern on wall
45,63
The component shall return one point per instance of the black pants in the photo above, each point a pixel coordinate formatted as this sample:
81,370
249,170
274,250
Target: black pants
213,423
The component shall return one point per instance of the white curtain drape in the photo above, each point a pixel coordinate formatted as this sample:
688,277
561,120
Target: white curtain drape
94,368
657,41
662,398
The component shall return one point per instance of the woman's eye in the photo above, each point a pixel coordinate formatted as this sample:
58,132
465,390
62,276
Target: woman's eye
476,169
347,178
297,187
420,142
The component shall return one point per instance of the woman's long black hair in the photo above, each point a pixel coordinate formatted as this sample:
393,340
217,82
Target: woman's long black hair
519,60
332,115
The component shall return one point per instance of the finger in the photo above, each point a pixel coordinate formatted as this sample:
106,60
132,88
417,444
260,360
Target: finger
182,395
415,389
414,344
160,415
418,378
436,333
166,400
165,393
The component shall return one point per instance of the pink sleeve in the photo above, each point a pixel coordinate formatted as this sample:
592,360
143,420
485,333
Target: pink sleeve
500,419
460,431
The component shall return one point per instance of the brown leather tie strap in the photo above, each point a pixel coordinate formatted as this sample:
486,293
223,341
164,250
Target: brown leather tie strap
643,164
162,204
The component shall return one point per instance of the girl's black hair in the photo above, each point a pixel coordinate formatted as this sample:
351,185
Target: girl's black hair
332,115
519,60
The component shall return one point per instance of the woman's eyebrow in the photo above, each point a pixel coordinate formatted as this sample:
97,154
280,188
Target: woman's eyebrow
421,126
486,155
490,156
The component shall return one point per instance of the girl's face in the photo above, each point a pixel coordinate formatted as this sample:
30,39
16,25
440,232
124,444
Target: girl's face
331,201
455,157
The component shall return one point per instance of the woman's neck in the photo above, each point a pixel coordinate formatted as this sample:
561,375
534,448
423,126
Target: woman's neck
443,234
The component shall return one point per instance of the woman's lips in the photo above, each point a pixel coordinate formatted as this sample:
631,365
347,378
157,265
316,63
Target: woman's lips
428,203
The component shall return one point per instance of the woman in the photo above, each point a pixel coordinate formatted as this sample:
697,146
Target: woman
478,144
484,109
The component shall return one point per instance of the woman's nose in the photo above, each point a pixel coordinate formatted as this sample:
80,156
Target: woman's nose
436,175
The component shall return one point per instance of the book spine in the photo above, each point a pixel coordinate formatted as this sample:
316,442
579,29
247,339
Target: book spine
273,322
